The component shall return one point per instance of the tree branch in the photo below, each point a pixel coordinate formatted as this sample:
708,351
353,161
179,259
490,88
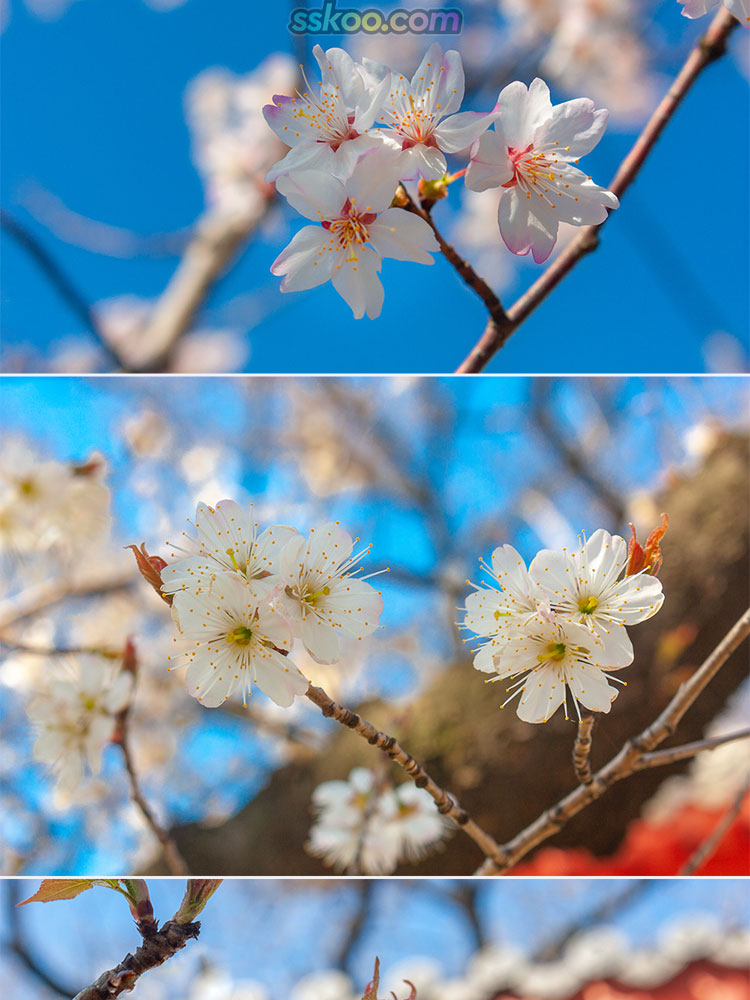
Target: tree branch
447,804
676,754
625,763
710,47
582,749
175,861
59,281
705,850
465,271
156,949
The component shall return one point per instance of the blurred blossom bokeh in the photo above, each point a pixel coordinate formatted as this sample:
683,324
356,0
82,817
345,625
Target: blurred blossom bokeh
433,472
158,137
490,939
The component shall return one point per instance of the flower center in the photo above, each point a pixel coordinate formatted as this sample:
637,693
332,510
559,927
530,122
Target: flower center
350,229
312,598
588,605
241,636
554,653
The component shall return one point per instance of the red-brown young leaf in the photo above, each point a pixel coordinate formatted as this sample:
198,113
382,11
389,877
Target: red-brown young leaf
648,557
371,990
150,568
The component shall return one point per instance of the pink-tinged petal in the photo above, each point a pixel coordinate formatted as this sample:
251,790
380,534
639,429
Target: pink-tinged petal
522,111
346,158
590,687
358,284
697,8
425,160
489,166
281,117
449,90
305,262
306,156
278,678
313,193
374,179
370,107
403,236
574,127
577,199
524,230
740,9
543,694
338,70
461,130
273,627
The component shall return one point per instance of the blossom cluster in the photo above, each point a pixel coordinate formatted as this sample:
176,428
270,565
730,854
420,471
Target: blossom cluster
241,596
560,624
366,824
366,130
49,506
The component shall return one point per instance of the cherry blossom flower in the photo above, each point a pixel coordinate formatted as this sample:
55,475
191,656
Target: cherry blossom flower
421,119
356,230
494,610
587,586
365,823
328,130
556,655
531,154
235,640
74,719
697,8
321,599
227,539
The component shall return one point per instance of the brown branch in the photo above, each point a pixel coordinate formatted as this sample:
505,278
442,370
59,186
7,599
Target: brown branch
216,241
447,804
18,945
21,647
676,754
465,271
708,49
156,949
60,281
627,762
39,598
582,749
709,846
174,860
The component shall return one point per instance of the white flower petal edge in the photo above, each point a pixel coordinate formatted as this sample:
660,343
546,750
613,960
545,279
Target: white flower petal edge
322,127
321,599
531,154
555,656
357,229
697,8
227,539
421,119
232,635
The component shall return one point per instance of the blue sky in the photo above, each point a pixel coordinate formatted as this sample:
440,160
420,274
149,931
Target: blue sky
478,463
93,112
292,933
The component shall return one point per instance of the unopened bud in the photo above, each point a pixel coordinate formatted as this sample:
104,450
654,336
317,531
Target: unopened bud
432,191
197,894
647,558
400,198
150,568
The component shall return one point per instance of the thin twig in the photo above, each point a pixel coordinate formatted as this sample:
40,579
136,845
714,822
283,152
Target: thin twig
582,749
356,924
18,945
447,804
155,950
175,861
675,754
710,845
708,49
60,281
467,273
21,647
625,763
